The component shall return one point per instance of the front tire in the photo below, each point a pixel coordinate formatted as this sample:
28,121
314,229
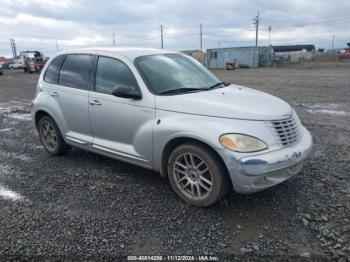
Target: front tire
197,175
50,137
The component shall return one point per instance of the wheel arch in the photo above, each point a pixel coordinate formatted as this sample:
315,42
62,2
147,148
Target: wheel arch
175,142
39,114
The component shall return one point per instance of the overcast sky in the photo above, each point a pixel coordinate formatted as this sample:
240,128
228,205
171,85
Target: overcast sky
37,25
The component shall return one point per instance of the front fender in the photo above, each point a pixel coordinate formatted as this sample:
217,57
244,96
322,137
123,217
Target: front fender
172,125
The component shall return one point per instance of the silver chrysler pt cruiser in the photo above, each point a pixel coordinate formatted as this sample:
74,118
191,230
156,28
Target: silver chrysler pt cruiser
165,111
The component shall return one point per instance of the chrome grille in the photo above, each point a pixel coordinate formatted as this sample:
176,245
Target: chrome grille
287,131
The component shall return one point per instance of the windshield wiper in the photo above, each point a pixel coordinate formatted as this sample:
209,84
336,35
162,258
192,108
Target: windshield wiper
191,89
218,84
182,90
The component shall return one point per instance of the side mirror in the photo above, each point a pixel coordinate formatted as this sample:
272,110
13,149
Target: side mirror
126,92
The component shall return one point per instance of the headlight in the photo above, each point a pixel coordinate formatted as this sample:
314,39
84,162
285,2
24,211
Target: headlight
242,143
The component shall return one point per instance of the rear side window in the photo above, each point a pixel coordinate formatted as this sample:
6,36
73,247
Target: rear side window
51,74
111,72
75,71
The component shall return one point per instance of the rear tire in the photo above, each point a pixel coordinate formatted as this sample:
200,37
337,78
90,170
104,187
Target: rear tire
50,137
197,175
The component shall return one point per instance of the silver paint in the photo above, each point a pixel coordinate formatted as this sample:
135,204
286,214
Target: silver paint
137,131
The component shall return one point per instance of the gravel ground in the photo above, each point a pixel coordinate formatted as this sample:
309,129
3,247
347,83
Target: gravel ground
83,206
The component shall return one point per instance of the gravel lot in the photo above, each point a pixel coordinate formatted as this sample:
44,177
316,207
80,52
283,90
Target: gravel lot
87,207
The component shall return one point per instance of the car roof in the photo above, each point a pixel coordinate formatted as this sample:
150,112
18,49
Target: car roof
129,52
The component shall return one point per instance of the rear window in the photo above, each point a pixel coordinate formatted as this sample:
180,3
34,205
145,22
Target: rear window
51,74
75,71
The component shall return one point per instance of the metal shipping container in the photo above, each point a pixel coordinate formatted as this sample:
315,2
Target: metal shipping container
243,56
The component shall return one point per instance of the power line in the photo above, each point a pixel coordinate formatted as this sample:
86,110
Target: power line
223,33
317,22
330,21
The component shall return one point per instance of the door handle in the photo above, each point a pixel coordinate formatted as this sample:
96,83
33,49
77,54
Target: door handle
94,102
54,94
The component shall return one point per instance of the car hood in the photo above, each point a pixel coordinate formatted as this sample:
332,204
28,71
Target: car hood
233,101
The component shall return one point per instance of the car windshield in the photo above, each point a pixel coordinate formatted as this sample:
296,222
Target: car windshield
175,73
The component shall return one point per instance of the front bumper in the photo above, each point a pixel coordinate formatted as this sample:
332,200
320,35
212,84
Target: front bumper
255,173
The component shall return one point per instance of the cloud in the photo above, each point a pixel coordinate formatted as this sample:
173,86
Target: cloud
37,24
29,20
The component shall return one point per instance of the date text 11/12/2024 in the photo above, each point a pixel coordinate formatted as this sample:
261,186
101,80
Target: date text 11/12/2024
173,258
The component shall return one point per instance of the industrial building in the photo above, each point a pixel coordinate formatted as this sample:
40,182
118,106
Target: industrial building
259,56
242,57
196,54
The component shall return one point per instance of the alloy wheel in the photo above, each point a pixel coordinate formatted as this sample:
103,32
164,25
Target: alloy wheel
192,176
48,136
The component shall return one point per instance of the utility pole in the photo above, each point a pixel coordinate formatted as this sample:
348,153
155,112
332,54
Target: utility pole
270,28
13,47
161,36
57,47
13,55
201,36
113,40
333,41
256,22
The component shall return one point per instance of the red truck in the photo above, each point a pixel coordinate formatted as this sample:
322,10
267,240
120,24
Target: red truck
346,54
33,61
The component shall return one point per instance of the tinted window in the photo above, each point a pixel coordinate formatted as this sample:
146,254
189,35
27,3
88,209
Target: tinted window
75,71
111,72
51,74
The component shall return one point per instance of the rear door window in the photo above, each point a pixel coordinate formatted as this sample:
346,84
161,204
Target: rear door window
111,72
75,71
51,74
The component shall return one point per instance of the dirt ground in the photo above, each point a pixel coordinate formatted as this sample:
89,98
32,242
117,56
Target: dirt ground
84,206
